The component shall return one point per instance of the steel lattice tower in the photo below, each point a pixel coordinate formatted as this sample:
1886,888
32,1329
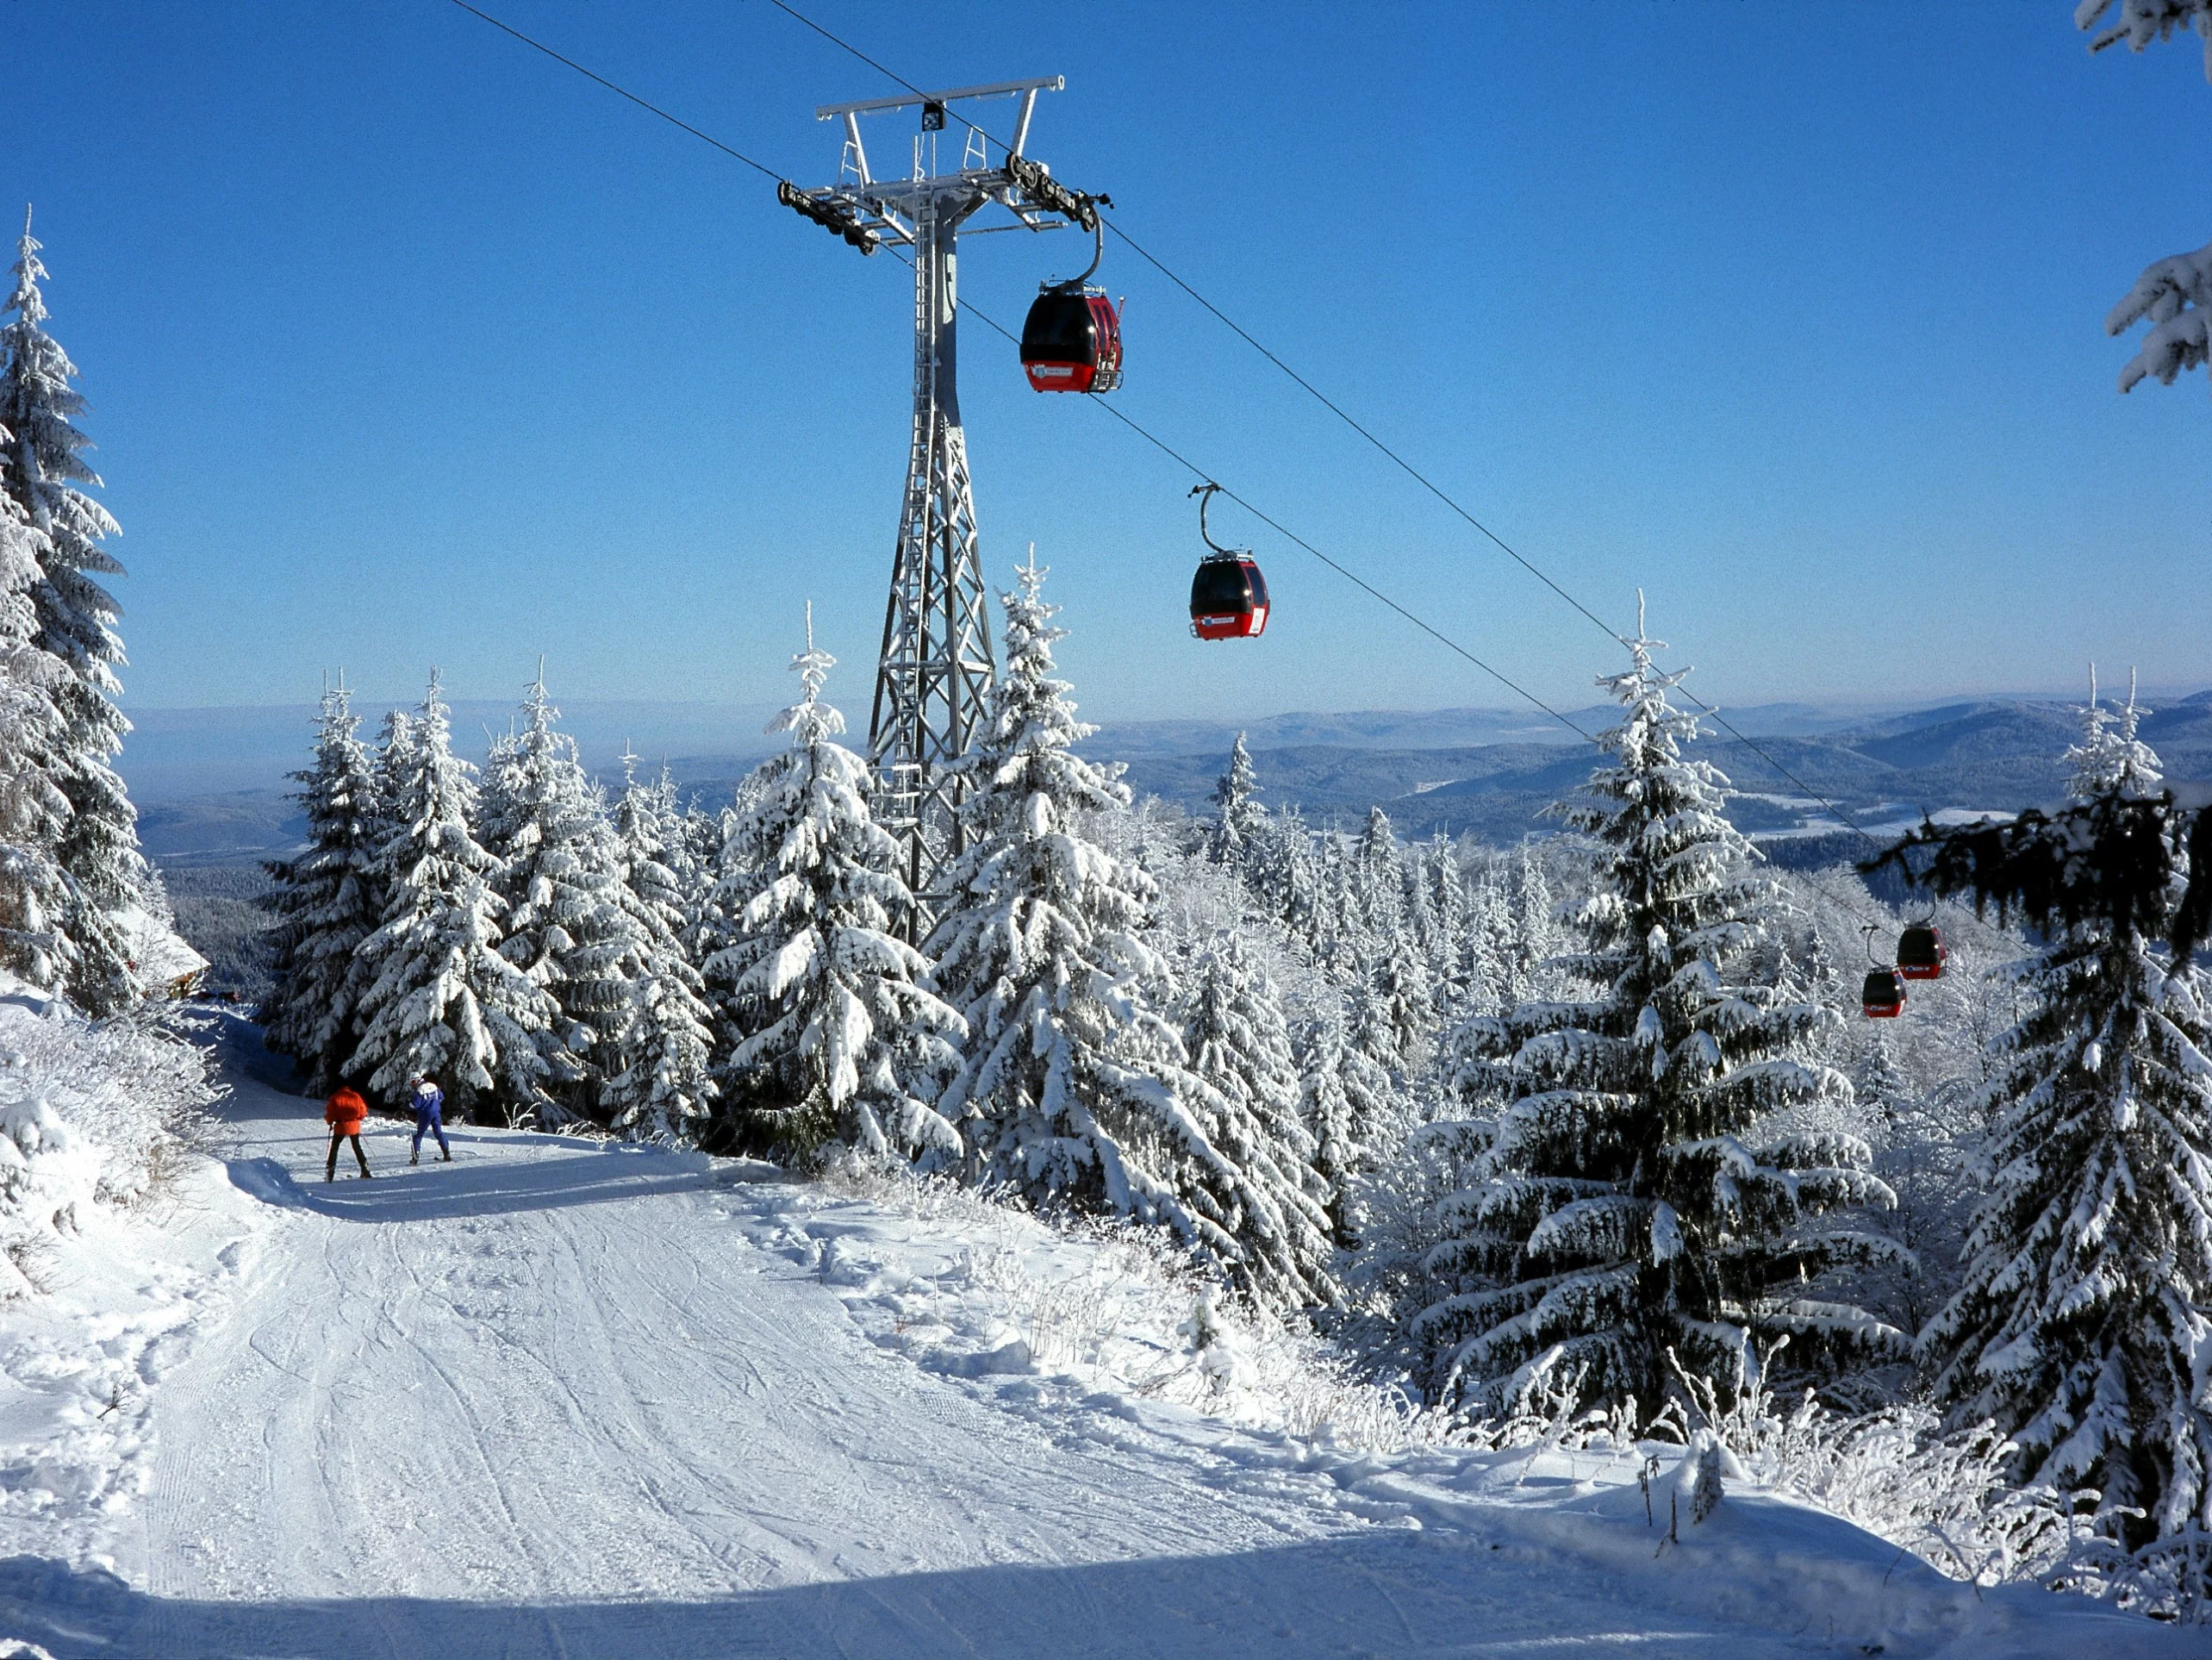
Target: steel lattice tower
937,664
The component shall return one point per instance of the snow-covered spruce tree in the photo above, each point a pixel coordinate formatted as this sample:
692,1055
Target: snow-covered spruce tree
1073,1089
1393,1008
1378,877
1238,1042
1440,926
1508,955
640,817
393,761
1632,1208
1347,1102
2085,1314
1535,940
727,880
567,925
835,1037
440,999
1279,870
34,812
2111,761
1238,815
664,1088
1482,965
1335,923
390,763
692,849
323,902
47,474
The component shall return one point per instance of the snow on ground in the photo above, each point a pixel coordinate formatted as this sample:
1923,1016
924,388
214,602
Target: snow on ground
568,1397
117,1305
115,1249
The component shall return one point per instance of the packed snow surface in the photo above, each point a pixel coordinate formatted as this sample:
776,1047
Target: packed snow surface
573,1398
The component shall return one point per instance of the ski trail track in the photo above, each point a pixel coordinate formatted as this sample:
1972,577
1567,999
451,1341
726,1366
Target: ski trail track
557,1398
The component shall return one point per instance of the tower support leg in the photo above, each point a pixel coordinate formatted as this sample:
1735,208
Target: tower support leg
936,667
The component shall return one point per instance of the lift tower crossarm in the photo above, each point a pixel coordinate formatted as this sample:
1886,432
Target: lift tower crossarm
995,90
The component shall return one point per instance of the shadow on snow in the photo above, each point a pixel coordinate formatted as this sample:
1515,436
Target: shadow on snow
474,1187
1396,1592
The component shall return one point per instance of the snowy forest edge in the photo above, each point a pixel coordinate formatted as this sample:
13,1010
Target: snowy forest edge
1289,1054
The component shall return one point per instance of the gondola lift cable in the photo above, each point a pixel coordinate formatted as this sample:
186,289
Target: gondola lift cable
992,323
1202,473
1919,970
1344,416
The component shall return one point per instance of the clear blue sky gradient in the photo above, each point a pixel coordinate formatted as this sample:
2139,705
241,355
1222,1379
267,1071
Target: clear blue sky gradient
407,345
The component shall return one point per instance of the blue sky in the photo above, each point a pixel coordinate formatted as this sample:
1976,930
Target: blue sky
407,346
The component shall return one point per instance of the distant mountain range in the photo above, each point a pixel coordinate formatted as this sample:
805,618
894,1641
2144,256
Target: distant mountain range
1997,755
210,781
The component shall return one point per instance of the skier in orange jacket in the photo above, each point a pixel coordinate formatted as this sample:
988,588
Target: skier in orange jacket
346,1115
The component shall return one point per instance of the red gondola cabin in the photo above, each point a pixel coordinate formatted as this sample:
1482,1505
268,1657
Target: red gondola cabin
1882,995
1072,342
1229,599
1921,952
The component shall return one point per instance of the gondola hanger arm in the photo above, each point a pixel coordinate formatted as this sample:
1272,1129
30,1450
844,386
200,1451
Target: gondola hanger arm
1206,493
1074,284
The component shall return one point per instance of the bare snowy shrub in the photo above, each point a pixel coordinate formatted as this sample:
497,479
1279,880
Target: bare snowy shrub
2168,1579
897,1186
127,1086
1132,1311
88,1113
1245,1364
1946,1498
1067,1321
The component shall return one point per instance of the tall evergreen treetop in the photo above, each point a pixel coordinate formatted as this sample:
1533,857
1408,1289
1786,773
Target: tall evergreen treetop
560,873
34,812
325,904
441,999
1279,870
1074,1087
662,1088
2082,1325
1349,1104
1240,815
649,835
2110,760
47,475
39,405
1441,920
390,763
837,1038
1379,879
1635,1202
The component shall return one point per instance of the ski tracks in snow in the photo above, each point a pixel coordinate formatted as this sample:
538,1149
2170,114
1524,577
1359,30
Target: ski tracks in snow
569,1399
548,1372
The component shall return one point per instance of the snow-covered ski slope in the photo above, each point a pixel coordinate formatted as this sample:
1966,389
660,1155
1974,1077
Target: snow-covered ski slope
566,1398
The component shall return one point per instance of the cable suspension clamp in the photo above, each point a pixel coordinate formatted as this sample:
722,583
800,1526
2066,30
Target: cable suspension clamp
829,214
1037,184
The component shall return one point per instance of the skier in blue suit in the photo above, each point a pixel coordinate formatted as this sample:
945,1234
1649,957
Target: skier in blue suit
429,1102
